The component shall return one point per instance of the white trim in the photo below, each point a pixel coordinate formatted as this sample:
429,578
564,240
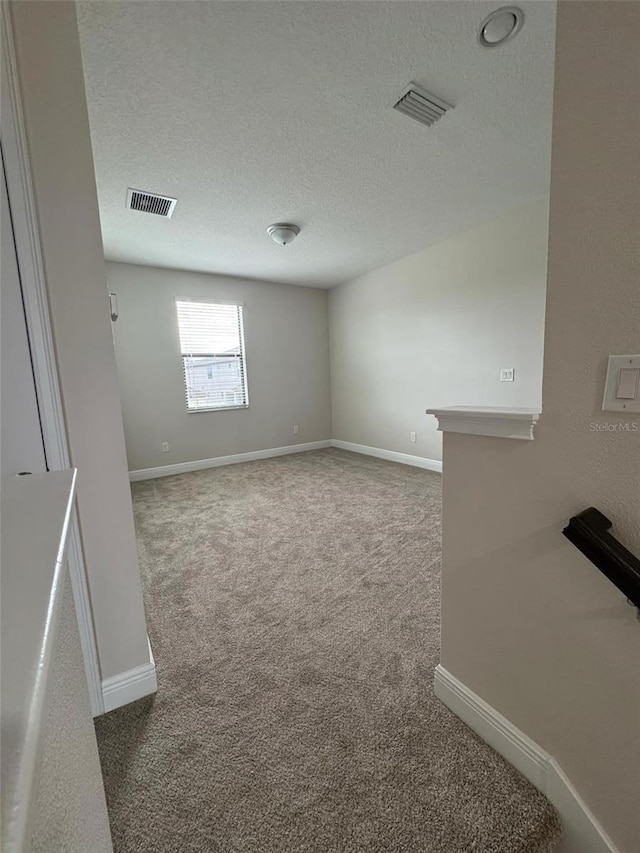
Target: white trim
218,461
389,455
129,686
488,420
210,299
581,831
519,750
27,236
217,409
152,660
32,277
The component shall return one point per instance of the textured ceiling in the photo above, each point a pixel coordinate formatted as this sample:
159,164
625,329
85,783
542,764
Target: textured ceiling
256,112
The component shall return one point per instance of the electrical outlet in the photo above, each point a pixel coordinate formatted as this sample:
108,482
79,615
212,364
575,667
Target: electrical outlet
412,436
507,374
296,429
165,446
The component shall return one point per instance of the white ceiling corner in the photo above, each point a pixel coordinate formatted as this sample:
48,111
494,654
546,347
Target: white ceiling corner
251,113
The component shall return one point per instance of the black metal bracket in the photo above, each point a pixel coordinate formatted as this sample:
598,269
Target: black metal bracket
588,532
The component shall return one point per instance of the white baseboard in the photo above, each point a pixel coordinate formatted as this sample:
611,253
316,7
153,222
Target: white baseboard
217,461
581,831
130,685
389,455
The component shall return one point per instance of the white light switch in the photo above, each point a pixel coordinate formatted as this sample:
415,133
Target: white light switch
507,374
622,388
627,383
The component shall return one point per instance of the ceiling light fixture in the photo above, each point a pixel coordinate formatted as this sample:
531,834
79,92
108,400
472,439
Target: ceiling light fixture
500,26
283,232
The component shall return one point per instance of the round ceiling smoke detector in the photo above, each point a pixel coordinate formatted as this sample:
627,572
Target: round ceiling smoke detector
500,26
283,232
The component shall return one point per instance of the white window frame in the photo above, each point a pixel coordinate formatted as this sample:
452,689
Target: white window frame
243,350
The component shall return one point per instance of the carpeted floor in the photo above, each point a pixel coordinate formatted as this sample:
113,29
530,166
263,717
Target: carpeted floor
293,610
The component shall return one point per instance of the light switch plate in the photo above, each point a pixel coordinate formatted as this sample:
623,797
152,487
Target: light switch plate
611,402
507,374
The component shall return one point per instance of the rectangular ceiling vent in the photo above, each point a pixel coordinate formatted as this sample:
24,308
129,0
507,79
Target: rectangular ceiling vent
421,105
146,202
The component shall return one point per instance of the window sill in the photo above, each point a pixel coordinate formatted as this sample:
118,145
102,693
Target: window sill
216,409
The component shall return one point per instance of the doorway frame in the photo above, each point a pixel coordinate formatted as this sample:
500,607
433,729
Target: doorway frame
34,288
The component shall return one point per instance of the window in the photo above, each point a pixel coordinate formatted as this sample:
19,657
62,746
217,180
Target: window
212,348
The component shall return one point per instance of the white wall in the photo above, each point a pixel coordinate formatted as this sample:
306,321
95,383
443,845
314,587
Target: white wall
528,623
435,328
286,341
57,129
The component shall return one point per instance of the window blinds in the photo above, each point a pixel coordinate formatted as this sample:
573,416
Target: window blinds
213,360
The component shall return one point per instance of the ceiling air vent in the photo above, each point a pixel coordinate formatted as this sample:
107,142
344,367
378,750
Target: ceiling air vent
146,202
421,105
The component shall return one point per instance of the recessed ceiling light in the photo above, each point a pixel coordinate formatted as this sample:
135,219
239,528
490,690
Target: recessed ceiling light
500,26
283,232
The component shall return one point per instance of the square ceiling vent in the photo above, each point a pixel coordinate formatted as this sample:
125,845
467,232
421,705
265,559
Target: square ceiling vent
145,202
421,105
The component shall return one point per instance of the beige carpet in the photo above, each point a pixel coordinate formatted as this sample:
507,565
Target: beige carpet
293,609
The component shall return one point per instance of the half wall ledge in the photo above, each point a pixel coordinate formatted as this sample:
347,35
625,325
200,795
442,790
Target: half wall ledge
488,420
